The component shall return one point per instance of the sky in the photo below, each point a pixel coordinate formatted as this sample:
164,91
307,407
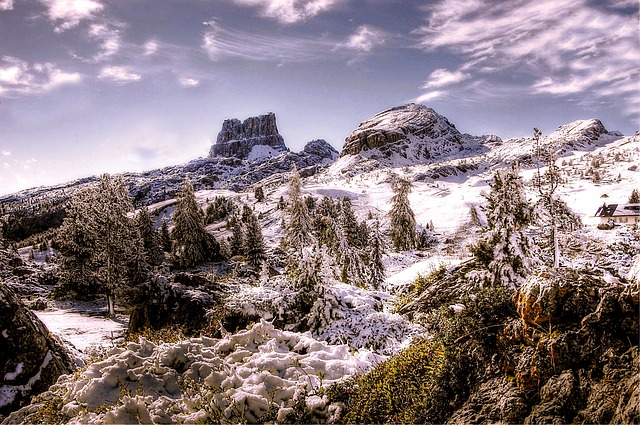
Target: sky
94,86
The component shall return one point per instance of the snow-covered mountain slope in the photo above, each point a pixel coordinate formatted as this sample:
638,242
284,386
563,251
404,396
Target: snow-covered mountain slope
411,134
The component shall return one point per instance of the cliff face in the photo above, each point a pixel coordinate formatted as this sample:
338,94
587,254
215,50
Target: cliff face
238,139
30,359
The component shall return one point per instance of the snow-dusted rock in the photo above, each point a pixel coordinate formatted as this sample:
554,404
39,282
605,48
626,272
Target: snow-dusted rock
411,132
30,359
239,139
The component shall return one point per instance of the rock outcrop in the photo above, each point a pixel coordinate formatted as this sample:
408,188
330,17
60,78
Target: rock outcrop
30,359
412,132
239,139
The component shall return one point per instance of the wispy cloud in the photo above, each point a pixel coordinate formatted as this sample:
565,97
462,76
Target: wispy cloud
19,77
119,74
6,5
442,77
366,38
109,38
290,11
150,47
560,47
188,82
223,42
67,14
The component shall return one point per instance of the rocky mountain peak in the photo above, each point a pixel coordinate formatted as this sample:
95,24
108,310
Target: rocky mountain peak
239,139
582,133
397,124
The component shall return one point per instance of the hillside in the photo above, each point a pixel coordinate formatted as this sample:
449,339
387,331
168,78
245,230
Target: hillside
433,343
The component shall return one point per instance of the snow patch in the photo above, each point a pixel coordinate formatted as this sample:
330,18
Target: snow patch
10,376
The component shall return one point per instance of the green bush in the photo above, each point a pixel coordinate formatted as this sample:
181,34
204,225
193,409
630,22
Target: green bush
426,382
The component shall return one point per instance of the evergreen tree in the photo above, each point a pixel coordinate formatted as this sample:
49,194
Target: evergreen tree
99,242
192,244
236,244
258,193
150,239
165,237
377,248
254,243
635,197
298,229
350,224
403,222
506,249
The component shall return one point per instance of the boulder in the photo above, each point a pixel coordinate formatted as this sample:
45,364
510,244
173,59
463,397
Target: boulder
30,359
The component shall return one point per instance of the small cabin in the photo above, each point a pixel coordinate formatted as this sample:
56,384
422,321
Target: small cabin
619,213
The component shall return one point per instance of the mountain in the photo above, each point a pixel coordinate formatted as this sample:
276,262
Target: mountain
253,138
411,134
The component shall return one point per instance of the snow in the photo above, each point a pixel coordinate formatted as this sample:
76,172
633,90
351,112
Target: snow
10,376
236,377
262,151
83,325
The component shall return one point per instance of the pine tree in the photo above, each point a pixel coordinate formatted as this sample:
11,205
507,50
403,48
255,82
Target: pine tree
635,197
258,193
377,248
99,241
165,237
150,239
192,244
349,223
403,222
254,243
506,249
298,228
236,244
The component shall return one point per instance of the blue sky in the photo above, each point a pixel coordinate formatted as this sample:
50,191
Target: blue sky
93,86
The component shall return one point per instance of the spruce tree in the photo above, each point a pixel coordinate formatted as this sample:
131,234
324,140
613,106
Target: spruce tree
98,240
506,249
192,244
150,238
254,243
298,228
236,244
635,197
403,222
377,248
165,237
350,224
258,193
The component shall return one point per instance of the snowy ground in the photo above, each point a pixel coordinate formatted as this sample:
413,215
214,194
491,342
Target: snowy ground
83,324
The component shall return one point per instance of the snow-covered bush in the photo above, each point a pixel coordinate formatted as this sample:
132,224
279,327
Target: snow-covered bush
258,374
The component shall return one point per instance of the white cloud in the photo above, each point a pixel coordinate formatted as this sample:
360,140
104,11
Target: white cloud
118,74
109,39
71,12
429,96
557,47
19,77
442,77
6,153
290,11
188,82
6,5
366,38
150,47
